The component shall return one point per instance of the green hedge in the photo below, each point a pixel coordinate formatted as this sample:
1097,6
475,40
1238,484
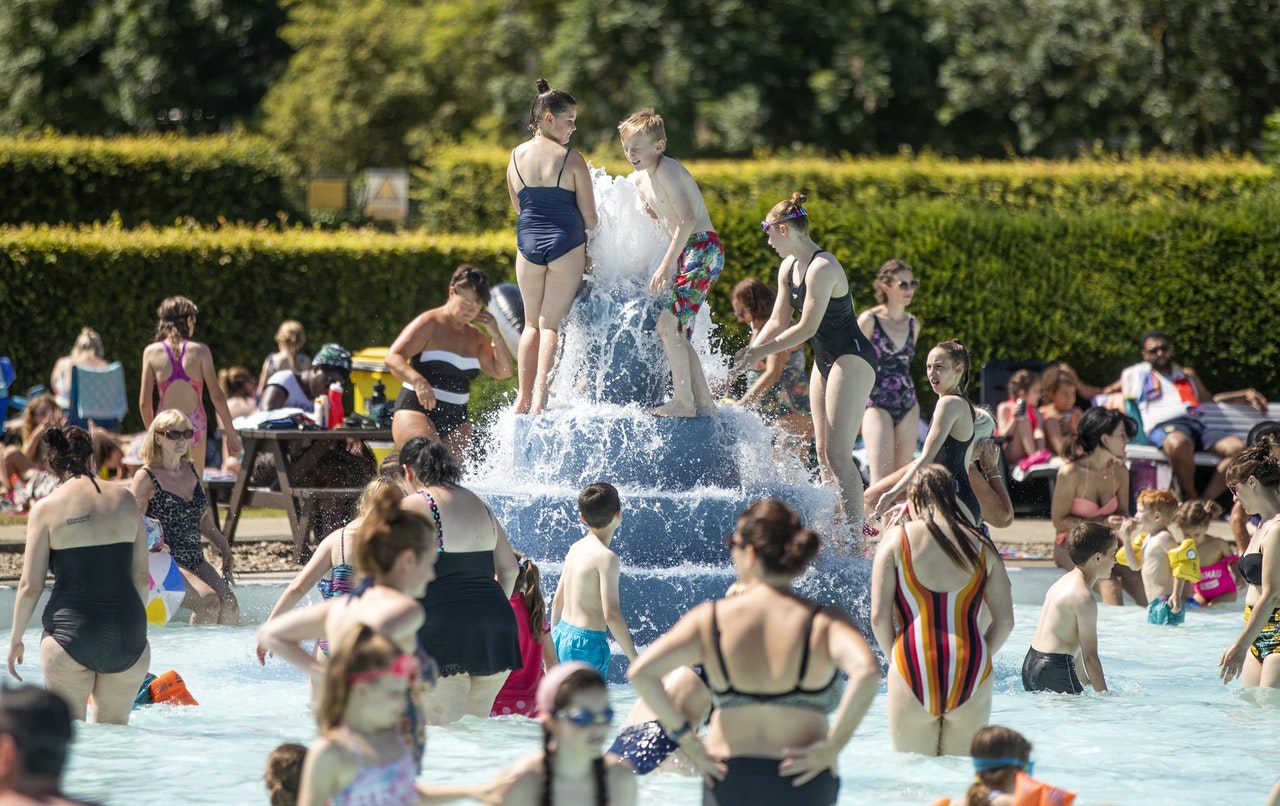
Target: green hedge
358,289
464,188
1079,287
157,180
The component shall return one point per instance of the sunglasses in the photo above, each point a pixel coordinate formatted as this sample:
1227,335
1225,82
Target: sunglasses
585,719
1159,348
176,435
799,212
405,666
903,285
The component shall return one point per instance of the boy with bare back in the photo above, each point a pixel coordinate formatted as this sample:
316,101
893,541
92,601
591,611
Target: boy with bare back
1167,570
691,264
1068,625
586,600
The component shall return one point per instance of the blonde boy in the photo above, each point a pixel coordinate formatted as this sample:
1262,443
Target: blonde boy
692,262
1068,625
586,600
1166,590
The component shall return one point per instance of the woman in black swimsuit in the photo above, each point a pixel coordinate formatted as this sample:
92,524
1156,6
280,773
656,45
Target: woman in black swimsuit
95,628
168,489
812,282
772,660
1254,480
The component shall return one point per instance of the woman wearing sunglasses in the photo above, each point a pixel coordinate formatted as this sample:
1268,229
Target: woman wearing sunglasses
812,283
892,423
572,766
772,660
168,489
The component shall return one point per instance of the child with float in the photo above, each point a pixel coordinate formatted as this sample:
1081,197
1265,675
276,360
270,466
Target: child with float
1219,578
1002,769
1169,564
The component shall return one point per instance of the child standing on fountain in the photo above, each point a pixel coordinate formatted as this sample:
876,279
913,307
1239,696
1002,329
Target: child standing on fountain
691,264
586,600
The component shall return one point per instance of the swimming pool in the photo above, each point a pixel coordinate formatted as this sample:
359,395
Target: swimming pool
1171,734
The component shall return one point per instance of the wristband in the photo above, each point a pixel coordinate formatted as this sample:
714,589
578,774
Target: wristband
679,733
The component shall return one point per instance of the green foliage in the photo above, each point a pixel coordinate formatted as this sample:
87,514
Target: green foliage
136,66
478,175
355,288
152,179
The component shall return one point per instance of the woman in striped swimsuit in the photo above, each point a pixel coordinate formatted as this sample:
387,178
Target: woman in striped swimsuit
936,572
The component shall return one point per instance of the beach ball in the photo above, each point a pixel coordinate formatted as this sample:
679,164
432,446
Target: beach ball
167,588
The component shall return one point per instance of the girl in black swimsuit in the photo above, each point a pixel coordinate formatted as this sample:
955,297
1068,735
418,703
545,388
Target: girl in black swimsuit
95,627
814,286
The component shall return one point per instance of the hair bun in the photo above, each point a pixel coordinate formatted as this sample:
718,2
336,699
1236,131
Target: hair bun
798,198
542,86
56,438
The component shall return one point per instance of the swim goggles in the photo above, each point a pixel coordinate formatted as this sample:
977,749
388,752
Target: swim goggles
405,666
988,764
584,718
799,212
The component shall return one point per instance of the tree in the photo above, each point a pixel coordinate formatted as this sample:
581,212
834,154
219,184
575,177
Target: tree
112,66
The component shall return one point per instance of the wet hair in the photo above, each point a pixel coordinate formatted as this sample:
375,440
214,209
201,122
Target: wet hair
1095,424
779,539
471,278
645,122
1087,539
1055,376
360,650
291,335
598,503
35,409
995,741
557,102
1195,516
89,342
1258,461
67,450
933,489
793,206
529,583
388,530
175,323
430,461
1022,381
379,483
579,679
169,418
1262,429
756,297
236,380
885,276
1163,502
957,353
40,723
284,773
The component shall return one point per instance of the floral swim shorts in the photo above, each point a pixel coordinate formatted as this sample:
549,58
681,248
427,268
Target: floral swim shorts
701,262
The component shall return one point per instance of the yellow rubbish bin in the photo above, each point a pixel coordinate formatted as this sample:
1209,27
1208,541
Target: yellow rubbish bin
369,366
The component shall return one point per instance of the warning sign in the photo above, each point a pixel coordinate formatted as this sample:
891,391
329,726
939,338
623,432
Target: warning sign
386,194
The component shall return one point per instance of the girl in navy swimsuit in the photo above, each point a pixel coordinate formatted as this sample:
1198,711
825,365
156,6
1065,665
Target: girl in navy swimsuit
555,213
813,284
95,628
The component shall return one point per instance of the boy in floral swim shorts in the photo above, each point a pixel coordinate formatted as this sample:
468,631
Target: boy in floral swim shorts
691,264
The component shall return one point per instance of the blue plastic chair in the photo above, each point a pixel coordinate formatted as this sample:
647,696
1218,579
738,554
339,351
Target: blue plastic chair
98,395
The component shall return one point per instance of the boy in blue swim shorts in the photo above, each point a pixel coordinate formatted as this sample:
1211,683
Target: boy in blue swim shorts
586,602
691,264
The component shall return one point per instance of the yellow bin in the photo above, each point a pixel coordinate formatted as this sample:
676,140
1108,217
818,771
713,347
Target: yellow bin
368,367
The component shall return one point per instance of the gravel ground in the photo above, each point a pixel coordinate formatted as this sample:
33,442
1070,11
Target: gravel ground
251,557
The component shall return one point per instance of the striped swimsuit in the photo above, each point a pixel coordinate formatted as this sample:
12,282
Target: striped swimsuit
941,652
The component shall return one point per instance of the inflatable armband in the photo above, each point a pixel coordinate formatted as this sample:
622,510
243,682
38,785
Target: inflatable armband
1031,792
1185,561
1123,559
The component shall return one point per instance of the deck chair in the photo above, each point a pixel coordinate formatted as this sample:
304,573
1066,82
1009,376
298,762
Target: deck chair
98,395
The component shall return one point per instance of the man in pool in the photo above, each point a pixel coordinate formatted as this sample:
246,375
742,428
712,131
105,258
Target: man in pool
1068,623
1168,397
35,734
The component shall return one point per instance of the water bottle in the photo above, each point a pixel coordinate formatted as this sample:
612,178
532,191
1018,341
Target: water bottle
336,414
379,395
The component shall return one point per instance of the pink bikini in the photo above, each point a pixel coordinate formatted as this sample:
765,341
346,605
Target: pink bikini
1088,510
199,420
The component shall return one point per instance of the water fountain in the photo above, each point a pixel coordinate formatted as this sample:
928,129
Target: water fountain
683,482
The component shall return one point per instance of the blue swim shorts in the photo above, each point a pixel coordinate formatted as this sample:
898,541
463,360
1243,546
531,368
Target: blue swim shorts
1193,426
1158,612
588,646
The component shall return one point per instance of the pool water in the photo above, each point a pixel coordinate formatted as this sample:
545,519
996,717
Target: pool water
1170,734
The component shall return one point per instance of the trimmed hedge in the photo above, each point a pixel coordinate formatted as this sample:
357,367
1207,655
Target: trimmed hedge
355,288
464,188
156,180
